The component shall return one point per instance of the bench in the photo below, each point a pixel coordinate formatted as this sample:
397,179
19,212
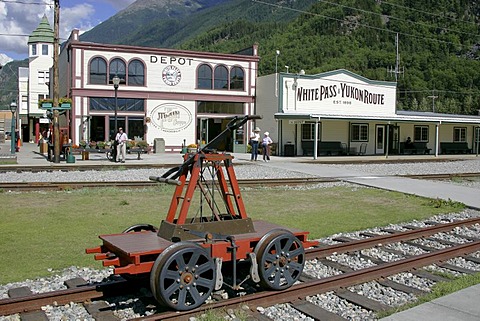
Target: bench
323,148
455,148
415,148
138,151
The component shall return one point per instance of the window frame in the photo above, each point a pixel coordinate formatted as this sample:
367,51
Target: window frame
134,76
237,84
424,131
360,132
309,134
203,78
100,76
459,134
220,81
114,70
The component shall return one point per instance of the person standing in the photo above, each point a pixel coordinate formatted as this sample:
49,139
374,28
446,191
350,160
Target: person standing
254,141
266,146
121,140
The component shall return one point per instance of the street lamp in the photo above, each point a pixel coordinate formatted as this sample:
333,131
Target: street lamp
277,53
116,82
13,109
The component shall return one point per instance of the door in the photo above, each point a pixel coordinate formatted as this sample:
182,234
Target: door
380,139
394,139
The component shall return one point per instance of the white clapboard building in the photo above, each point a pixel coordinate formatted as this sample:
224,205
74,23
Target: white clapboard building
176,96
342,113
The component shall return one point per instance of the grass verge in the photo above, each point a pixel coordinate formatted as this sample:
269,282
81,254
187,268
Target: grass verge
43,231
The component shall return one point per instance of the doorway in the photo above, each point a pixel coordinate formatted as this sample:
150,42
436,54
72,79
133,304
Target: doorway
380,139
394,139
209,128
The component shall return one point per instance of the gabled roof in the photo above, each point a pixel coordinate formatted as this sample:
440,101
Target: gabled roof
43,33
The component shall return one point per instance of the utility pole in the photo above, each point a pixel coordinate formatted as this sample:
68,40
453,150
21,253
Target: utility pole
433,100
396,71
56,125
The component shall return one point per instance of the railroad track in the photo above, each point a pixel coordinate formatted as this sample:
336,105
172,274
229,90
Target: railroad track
35,186
296,294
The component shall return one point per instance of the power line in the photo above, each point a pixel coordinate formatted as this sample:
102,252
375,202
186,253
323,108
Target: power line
426,12
27,2
399,19
360,24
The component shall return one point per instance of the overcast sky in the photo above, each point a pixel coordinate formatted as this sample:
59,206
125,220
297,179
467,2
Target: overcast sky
19,18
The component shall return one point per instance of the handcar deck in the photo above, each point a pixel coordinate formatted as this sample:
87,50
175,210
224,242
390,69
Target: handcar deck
147,242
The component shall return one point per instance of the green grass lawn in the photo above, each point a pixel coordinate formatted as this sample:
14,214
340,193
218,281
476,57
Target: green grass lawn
51,230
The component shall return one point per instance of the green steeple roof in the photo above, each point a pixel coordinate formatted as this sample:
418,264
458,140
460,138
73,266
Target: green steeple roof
43,33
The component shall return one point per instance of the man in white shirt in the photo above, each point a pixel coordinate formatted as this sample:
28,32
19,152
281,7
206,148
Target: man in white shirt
121,139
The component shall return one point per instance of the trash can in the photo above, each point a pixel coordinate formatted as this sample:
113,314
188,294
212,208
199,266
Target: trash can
70,158
289,150
159,145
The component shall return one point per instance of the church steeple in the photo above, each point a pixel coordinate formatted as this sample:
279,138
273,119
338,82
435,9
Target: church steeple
43,33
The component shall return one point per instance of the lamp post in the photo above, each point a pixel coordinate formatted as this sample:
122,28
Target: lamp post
116,82
13,109
277,53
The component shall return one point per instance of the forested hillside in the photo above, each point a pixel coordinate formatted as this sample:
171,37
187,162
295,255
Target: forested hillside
439,41
439,46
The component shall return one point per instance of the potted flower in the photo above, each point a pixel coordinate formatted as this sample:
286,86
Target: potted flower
101,145
192,148
92,144
82,144
142,144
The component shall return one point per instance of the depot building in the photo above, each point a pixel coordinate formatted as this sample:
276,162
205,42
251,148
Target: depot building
178,97
342,113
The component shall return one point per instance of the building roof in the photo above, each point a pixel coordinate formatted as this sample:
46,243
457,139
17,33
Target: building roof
43,33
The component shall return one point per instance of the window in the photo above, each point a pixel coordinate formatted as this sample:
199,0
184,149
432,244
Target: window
308,131
420,134
359,133
34,49
136,73
220,78
124,104
204,77
236,79
42,97
117,67
218,107
98,71
45,50
43,77
459,134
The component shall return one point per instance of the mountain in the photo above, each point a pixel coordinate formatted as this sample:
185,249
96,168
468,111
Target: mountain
169,23
439,42
9,82
4,59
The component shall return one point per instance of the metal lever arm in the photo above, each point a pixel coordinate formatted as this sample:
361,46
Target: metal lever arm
165,180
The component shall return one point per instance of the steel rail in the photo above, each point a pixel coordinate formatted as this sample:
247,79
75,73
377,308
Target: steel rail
89,292
299,291
33,186
36,301
388,238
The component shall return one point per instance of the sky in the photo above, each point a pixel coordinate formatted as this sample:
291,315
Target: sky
19,18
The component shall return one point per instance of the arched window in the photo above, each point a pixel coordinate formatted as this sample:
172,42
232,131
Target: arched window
117,67
236,78
98,71
204,77
136,73
220,78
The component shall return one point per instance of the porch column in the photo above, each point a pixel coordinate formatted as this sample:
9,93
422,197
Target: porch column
315,140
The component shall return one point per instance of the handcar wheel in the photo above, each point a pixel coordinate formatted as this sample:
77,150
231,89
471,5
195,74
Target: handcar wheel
140,227
281,257
183,276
